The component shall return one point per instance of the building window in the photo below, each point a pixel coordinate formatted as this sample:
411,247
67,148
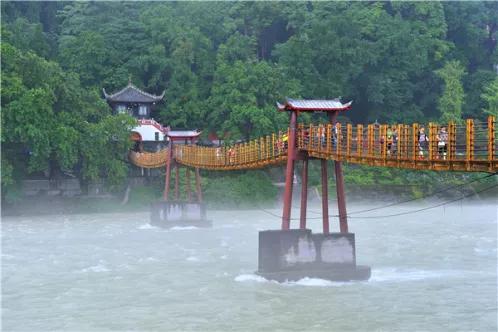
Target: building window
121,109
157,136
142,110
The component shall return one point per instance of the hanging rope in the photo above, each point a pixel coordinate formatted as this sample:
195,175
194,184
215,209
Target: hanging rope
396,214
417,198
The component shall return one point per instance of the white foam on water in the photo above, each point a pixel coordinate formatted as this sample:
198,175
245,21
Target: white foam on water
250,278
147,226
95,268
183,228
224,257
401,275
192,259
485,251
314,282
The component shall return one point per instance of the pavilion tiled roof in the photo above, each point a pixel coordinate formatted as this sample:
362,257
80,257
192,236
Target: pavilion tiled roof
183,133
313,105
132,94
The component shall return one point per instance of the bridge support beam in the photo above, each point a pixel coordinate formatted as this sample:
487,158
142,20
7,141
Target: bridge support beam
289,173
168,173
198,185
187,178
177,178
304,193
341,197
325,197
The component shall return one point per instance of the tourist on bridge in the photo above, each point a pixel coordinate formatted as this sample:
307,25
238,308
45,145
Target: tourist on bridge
231,155
285,141
442,142
394,148
389,140
423,142
334,135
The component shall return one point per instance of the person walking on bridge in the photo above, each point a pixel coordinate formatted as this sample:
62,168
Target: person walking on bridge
423,142
442,142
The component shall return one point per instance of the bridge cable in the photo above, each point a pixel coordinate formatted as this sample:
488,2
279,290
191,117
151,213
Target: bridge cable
429,207
417,198
396,214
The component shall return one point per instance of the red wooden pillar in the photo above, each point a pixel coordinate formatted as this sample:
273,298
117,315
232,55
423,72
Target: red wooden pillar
304,193
177,176
168,172
339,182
341,197
325,197
198,185
289,173
187,176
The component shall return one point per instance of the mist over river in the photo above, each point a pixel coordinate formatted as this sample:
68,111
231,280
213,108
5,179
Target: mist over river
435,270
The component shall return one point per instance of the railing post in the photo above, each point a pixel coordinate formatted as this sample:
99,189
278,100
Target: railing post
470,142
407,140
268,147
273,145
329,138
338,138
451,141
415,148
359,140
432,141
349,138
310,137
399,140
383,142
491,140
369,141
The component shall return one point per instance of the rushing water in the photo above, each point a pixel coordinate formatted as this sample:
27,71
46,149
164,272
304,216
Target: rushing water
431,271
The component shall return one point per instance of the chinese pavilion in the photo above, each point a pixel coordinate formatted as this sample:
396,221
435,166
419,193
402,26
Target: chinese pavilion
139,104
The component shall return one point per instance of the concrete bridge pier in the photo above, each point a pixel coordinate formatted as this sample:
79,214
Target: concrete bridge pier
170,213
293,254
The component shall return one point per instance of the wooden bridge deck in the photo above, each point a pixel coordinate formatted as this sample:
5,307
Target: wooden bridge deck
471,147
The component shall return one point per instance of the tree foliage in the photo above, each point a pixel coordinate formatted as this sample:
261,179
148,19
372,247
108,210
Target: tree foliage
450,103
224,65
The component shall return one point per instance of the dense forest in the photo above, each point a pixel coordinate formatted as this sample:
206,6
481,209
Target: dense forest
224,65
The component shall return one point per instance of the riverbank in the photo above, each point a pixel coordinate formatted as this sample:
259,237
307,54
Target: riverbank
140,199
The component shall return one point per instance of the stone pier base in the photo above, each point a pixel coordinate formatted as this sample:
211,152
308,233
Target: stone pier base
295,254
171,214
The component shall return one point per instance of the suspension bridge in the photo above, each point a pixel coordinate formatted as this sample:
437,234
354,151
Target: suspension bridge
470,146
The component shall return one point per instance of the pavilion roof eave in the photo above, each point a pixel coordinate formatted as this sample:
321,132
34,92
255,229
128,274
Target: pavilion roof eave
137,93
181,135
314,105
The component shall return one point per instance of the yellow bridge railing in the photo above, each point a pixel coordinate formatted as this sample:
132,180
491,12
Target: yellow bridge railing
149,159
461,147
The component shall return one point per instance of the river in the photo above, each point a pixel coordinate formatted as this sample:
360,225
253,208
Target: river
435,270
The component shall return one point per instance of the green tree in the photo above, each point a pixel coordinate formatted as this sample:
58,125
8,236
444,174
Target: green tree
490,96
451,101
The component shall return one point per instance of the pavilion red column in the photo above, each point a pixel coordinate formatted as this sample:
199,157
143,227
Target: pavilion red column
187,176
341,197
177,176
339,182
304,193
168,172
289,173
198,185
325,197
